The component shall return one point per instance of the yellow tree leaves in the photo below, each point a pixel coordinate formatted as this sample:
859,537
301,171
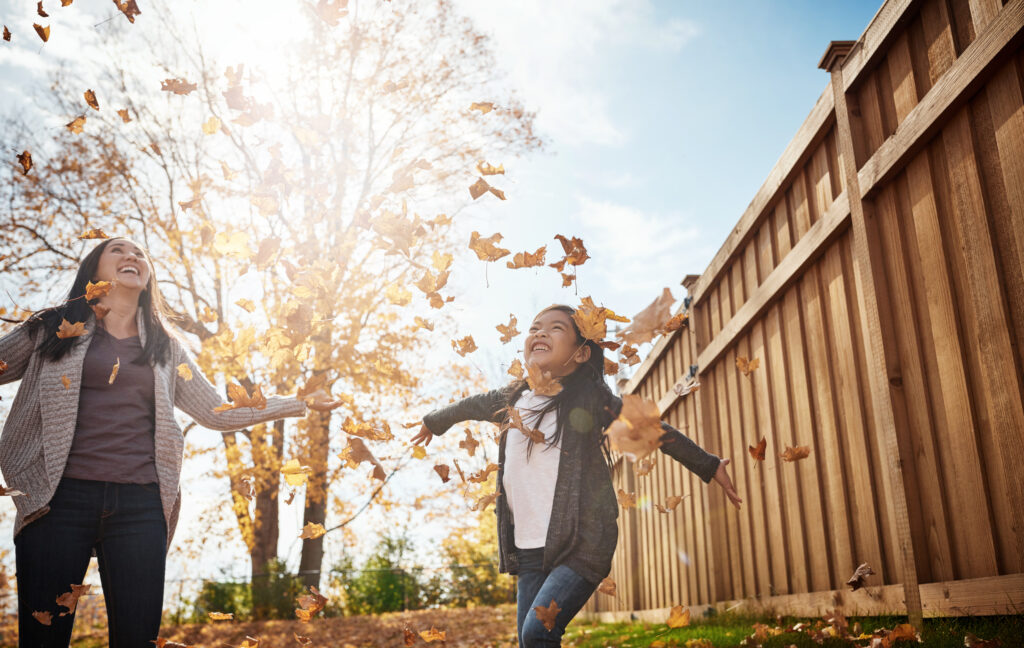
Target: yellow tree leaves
239,397
69,330
184,371
637,430
294,473
220,616
398,295
92,233
486,248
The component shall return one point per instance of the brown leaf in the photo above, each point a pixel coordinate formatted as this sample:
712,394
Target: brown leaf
7,34
626,500
508,331
676,322
592,319
542,382
356,452
248,490
796,453
312,531
469,444
113,372
516,369
177,86
160,642
678,617
480,187
128,8
76,125
610,367
46,618
547,615
93,233
302,640
481,476
486,248
10,492
69,330
25,160
442,471
607,586
747,366
648,323
310,604
432,635
70,599
483,106
567,279
487,169
3,367
97,290
220,616
44,33
527,259
671,503
410,636
239,397
485,501
575,252
90,98
125,117
757,452
464,345
859,575
628,354
39,10
637,430
644,467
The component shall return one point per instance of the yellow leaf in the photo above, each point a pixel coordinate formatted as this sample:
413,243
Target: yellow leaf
486,248
295,474
747,367
542,382
211,126
678,617
432,635
221,616
97,290
184,371
483,106
239,397
64,381
398,295
233,244
312,531
247,305
508,331
69,330
464,345
113,372
419,452
516,369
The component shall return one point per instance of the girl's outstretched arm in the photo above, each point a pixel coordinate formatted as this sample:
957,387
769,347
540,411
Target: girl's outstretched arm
15,349
488,406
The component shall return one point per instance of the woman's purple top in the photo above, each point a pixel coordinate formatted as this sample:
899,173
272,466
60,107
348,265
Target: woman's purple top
114,434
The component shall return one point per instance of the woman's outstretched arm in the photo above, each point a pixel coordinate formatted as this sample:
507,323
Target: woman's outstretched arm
15,351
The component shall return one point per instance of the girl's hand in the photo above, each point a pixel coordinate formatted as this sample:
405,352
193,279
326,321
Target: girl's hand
320,401
722,477
424,436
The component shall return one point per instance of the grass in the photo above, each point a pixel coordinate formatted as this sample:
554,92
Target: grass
729,630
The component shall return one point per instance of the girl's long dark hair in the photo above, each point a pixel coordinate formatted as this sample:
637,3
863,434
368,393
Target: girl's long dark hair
76,309
583,405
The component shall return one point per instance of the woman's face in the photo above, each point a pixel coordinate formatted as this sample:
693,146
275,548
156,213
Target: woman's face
551,344
124,264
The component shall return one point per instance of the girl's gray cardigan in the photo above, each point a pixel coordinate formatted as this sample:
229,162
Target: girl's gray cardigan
41,424
583,531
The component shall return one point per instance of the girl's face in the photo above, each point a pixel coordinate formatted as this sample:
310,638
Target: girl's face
552,346
123,263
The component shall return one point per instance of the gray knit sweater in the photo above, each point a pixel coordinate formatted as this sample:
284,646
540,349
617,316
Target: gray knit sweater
41,425
583,531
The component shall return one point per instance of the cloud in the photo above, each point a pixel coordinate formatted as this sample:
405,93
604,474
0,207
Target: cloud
558,54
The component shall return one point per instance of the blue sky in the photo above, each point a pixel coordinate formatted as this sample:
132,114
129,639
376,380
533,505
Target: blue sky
662,121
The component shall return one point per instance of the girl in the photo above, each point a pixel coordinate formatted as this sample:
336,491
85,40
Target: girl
556,507
98,454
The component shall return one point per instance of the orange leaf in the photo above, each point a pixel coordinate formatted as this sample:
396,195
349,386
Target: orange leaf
97,290
125,117
483,106
39,10
464,345
626,500
3,367
567,279
516,369
7,34
75,126
648,323
610,367
92,234
432,635
128,8
508,331
164,643
796,453
528,260
678,617
90,98
747,366
486,248
487,169
410,636
69,330
670,503
637,431
542,382
44,33
239,397
70,599
113,372
481,477
312,531
25,160
220,616
757,452
184,371
10,492
485,501
592,319
64,381
356,452
46,618
547,615
575,252
310,604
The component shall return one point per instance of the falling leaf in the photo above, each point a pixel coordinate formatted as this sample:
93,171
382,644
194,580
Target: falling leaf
129,9
626,500
39,10
468,444
567,279
432,635
69,330
46,618
648,323
575,252
177,86
422,323
757,452
671,503
628,354
93,233
637,430
125,117
64,381
747,366
184,371
486,248
66,3
239,397
310,604
480,187
211,126
442,471
464,345
431,283
10,492
44,33
398,295
113,372
419,452
796,453
248,490
481,476
508,331
76,124
312,531
859,575
294,473
516,421
592,320
516,369
607,586
25,160
483,106
527,259
70,599
247,305
90,98
97,290
3,367
441,262
7,34
356,452
487,169
485,501
547,615
221,616
542,382
610,367
678,617
676,322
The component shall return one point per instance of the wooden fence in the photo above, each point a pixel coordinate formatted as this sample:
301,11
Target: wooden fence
878,276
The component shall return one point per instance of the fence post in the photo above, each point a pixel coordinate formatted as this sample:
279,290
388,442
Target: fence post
869,280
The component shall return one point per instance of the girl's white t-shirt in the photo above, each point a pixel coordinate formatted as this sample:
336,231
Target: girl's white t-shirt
529,484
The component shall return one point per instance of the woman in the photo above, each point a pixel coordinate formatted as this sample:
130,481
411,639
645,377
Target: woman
92,443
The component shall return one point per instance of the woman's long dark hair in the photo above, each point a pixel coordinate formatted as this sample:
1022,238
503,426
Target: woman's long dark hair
76,309
583,405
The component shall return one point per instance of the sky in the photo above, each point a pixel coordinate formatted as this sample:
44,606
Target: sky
662,119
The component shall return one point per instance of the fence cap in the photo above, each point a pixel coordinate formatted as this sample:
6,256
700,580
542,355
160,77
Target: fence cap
836,52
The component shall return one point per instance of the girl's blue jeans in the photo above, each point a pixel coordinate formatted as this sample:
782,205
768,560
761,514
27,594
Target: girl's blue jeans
125,525
536,587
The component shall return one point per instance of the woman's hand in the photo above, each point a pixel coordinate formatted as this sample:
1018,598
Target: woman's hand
424,436
320,401
722,477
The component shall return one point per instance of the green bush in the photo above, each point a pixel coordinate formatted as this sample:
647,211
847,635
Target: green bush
275,591
382,584
235,598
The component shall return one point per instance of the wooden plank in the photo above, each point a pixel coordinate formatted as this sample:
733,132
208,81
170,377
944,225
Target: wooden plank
752,485
811,130
725,523
999,391
937,26
707,426
950,92
829,447
820,176
873,43
782,229
901,76
765,251
984,12
743,579
777,280
797,197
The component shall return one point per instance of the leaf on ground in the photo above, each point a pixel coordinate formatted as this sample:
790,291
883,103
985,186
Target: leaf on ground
637,431
302,640
757,452
547,615
432,635
796,453
508,331
160,642
312,531
678,617
70,599
747,366
294,473
859,575
542,382
239,397
649,323
221,616
69,330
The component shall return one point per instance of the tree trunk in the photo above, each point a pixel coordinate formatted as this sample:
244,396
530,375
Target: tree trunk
268,445
315,456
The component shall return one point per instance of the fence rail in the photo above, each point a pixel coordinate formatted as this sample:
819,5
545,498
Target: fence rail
878,275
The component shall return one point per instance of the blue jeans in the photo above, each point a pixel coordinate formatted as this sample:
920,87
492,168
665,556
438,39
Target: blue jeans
124,524
536,587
